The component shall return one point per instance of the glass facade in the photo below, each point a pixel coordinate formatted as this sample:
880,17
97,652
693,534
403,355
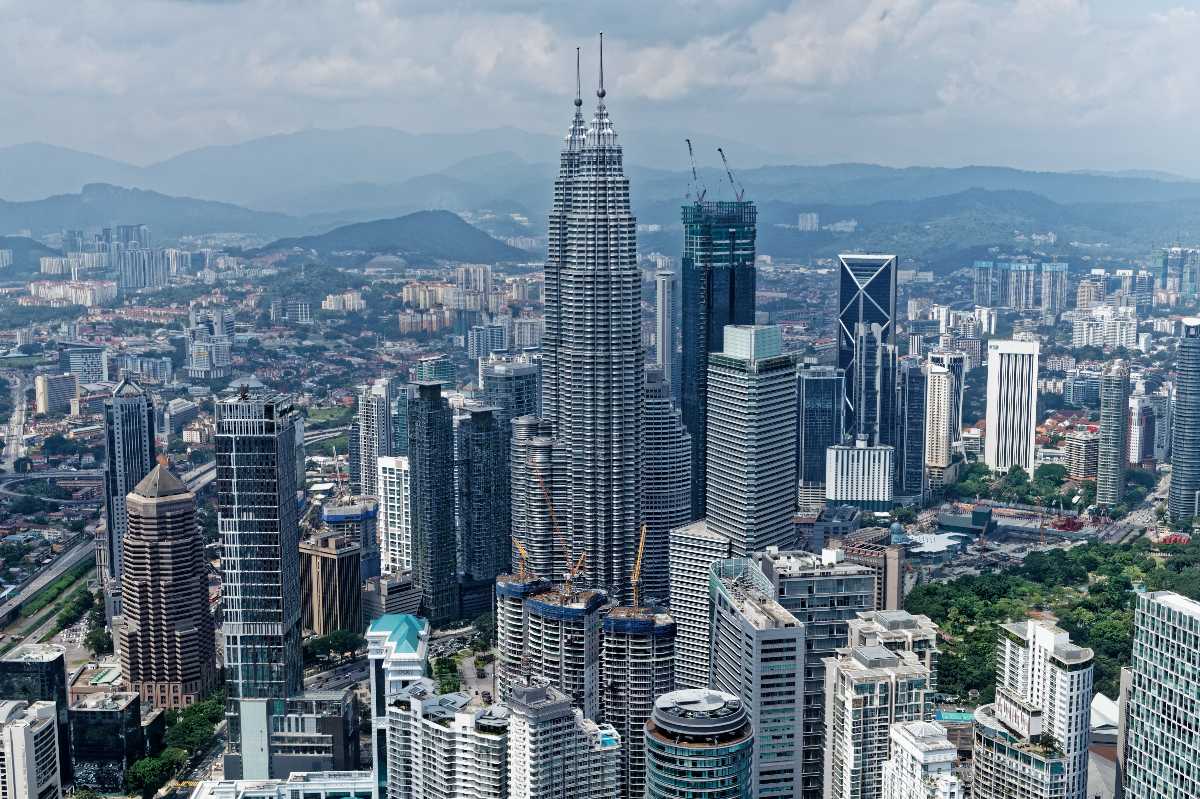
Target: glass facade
867,344
820,401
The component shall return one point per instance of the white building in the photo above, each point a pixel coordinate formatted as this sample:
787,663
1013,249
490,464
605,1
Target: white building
1011,405
298,785
29,766
921,765
861,475
693,551
940,398
395,513
376,431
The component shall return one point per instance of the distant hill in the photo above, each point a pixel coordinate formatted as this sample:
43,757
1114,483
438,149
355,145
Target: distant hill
423,236
26,254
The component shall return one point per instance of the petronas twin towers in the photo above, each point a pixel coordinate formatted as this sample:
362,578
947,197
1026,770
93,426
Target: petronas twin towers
593,363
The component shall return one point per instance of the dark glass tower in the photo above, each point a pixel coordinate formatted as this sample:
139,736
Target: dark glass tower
128,457
820,400
867,344
910,428
484,516
1185,428
38,673
717,289
431,460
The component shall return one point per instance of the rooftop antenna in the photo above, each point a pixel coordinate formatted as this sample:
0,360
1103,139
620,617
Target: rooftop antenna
738,191
695,177
600,91
578,83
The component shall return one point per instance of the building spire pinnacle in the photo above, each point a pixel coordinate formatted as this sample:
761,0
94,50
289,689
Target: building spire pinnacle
578,83
600,91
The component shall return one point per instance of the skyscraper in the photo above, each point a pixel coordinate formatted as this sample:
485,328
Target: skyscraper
956,362
1054,289
1185,426
939,410
699,742
260,451
911,399
867,344
717,289
331,583
539,483
751,441
376,434
820,403
395,514
431,465
513,385
484,503
693,551
921,765
128,457
1011,405
666,335
29,754
167,647
666,480
38,673
1113,455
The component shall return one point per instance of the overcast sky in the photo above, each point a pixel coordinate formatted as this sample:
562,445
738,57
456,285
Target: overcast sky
1054,84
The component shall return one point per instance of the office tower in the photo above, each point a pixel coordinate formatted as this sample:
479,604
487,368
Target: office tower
331,584
911,400
259,449
898,631
1185,426
166,643
956,362
556,753
375,431
867,689
1011,405
693,551
1143,430
397,650
921,765
717,283
820,401
758,655
1113,454
751,441
129,455
1083,454
1161,726
53,393
357,518
29,755
38,673
431,463
665,326
1143,292
699,742
866,343
437,368
860,475
106,739
513,385
1033,740
395,514
88,364
444,746
539,484
939,412
389,593
637,666
666,480
484,507
1054,289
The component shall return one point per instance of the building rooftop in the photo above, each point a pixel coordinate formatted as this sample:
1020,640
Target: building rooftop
35,653
1175,601
160,484
404,631
115,700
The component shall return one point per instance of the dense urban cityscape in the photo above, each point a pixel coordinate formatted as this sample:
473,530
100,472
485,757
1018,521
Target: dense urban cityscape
461,504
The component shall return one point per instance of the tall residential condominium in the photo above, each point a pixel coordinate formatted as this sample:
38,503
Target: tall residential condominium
1054,289
939,411
898,631
637,666
29,754
911,400
717,280
38,673
513,592
431,491
955,361
868,689
666,480
165,631
1113,454
820,403
1160,733
484,503
1033,740
1024,291
921,764
1185,426
556,753
395,513
866,335
53,393
331,584
397,652
699,742
751,441
758,655
260,455
513,385
991,283
666,328
1012,368
539,484
376,433
596,370
128,457
693,550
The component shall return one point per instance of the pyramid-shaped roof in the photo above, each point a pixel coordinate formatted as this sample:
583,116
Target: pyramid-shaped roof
160,483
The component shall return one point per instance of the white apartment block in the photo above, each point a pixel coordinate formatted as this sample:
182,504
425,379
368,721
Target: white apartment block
29,766
921,765
693,551
395,513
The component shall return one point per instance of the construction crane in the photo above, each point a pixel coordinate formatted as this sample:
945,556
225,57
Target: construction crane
738,191
637,568
695,177
523,561
573,569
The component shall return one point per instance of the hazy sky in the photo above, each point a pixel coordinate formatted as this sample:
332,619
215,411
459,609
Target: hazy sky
1056,84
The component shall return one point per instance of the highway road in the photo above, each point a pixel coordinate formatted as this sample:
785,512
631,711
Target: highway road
68,560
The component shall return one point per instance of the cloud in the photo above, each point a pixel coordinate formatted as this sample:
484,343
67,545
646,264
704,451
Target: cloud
1033,82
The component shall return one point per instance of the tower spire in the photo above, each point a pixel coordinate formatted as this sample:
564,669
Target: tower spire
600,91
578,83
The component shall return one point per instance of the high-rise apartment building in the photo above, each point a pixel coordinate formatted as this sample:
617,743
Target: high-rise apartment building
867,344
898,631
165,631
693,551
955,361
1160,735
1033,740
1054,289
397,651
1113,453
1185,426
29,754
820,402
38,673
911,401
1011,405
1083,454
562,640
128,457
992,283
484,501
751,440
376,433
939,412
53,393
666,480
395,514
921,764
717,285
512,384
699,742
666,329
431,492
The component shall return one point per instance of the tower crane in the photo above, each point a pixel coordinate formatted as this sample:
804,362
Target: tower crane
738,191
637,568
695,177
573,567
